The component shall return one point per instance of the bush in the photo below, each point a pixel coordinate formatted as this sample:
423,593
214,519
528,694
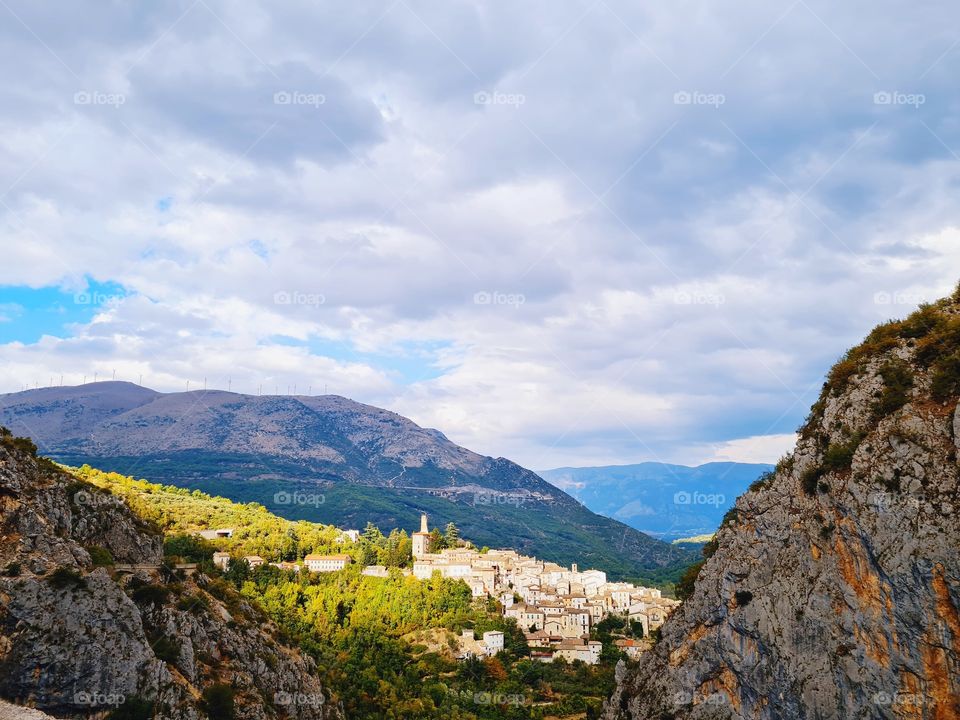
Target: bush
166,649
150,595
762,482
946,378
66,578
13,569
743,597
133,709
897,384
811,480
839,456
218,702
685,586
100,556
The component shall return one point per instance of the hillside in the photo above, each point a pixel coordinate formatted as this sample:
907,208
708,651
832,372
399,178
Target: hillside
833,588
659,499
350,463
92,621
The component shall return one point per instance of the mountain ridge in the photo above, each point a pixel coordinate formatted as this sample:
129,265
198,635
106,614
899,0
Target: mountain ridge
832,589
359,462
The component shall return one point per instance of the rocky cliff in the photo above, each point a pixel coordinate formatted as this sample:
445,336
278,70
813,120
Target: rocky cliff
92,622
832,590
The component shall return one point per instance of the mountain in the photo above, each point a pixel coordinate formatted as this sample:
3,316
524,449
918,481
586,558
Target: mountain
665,501
833,590
328,459
80,640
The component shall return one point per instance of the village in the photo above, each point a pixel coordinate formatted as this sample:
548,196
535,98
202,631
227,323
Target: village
555,607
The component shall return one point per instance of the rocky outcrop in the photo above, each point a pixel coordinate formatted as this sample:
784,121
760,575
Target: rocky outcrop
78,640
832,590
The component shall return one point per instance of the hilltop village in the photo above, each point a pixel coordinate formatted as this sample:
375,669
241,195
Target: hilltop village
554,606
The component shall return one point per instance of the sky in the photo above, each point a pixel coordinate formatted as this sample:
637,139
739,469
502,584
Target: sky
576,233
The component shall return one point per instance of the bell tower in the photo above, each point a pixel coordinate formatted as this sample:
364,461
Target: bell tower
421,539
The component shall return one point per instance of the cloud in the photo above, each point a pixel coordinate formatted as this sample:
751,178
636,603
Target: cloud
562,234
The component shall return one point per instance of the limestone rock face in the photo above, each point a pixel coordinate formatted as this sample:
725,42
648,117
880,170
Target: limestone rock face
76,640
834,589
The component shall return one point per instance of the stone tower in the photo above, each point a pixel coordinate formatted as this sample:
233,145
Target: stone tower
421,539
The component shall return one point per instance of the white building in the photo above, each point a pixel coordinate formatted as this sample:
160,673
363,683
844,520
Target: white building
221,560
326,563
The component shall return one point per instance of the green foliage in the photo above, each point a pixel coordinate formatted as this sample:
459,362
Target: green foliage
63,578
191,548
166,649
897,383
839,456
688,580
133,708
100,556
13,569
945,384
150,594
762,482
218,702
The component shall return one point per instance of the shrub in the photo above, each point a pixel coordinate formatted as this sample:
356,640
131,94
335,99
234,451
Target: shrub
897,384
150,595
839,456
811,479
65,578
743,597
13,569
946,378
166,649
762,482
685,586
730,517
218,701
133,709
100,556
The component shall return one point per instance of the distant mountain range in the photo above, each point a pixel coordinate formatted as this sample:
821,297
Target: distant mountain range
328,459
665,501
